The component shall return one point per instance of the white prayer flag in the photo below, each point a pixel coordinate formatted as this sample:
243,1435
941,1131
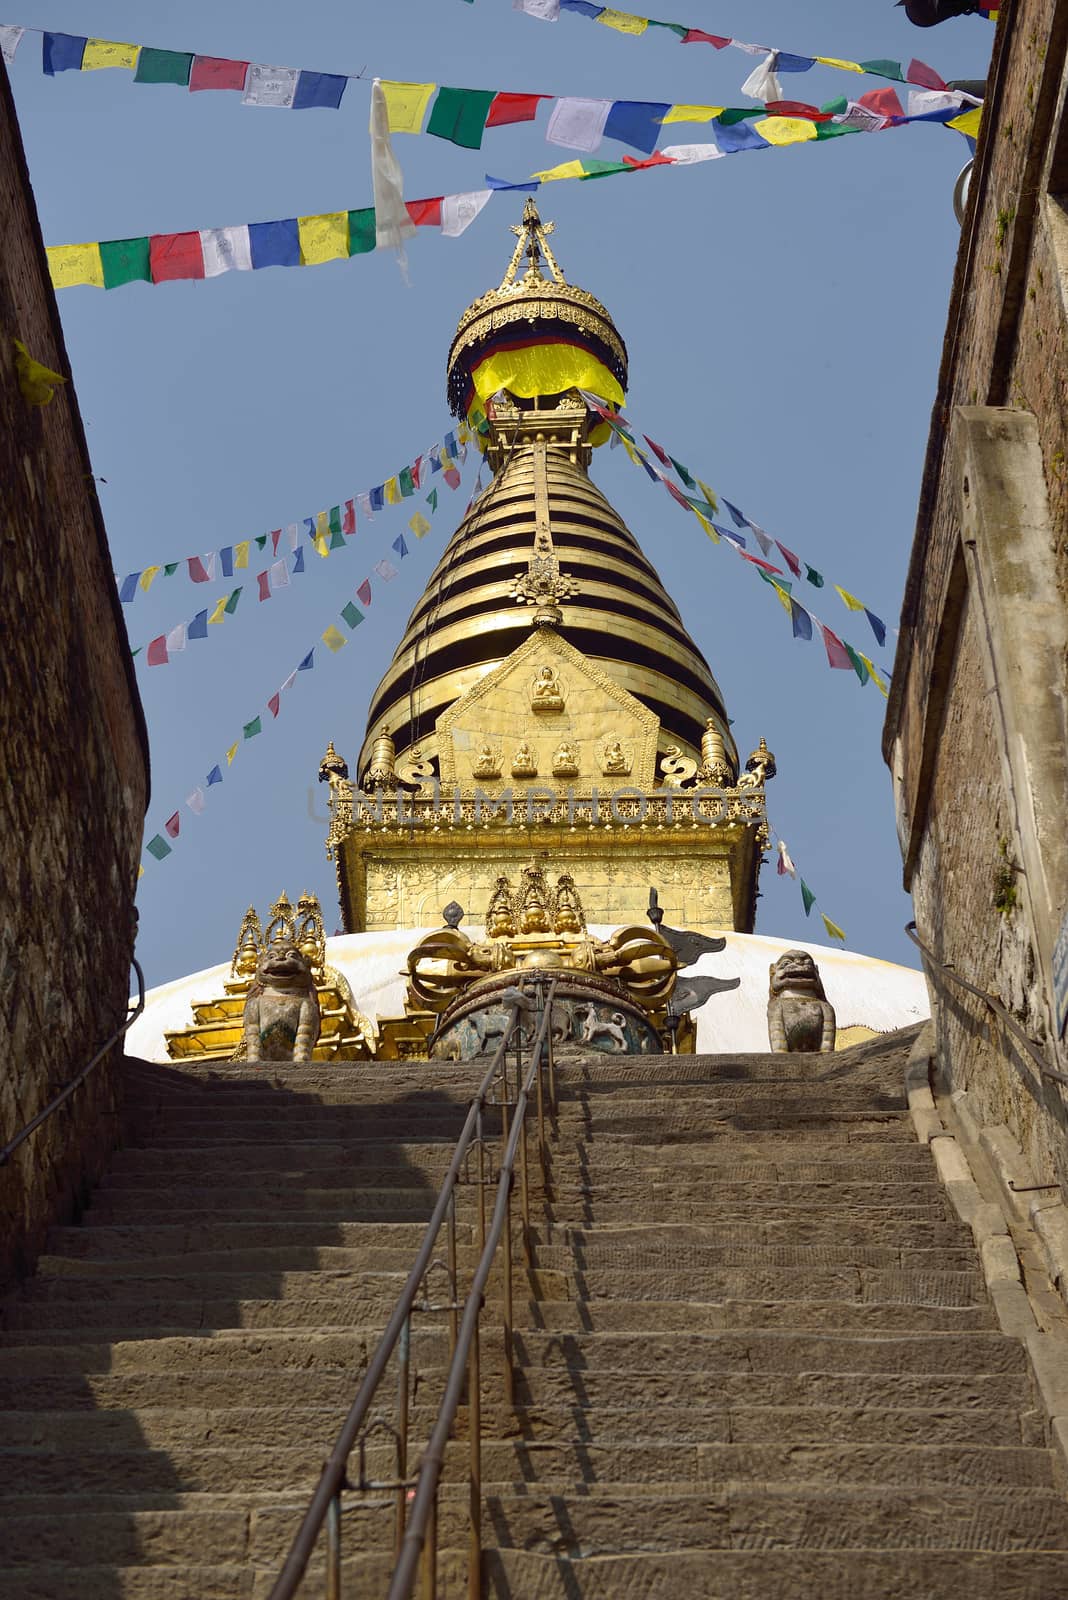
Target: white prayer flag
762,84
195,801
293,535
270,86
9,40
923,100
578,124
687,153
364,503
458,211
393,225
547,10
386,570
208,563
289,682
859,117
176,639
761,538
226,250
279,575
786,866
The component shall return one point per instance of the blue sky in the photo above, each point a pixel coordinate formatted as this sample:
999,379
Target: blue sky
784,320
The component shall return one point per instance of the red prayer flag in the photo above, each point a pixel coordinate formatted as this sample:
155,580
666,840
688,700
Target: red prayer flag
156,654
660,454
416,467
196,570
452,477
884,102
425,213
676,494
797,108
349,523
214,72
263,579
756,561
696,36
919,72
175,255
837,655
276,534
791,560
513,108
657,159
363,593
172,825
274,702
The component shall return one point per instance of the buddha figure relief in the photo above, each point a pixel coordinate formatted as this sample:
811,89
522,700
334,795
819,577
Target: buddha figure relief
546,691
524,764
488,764
616,761
565,761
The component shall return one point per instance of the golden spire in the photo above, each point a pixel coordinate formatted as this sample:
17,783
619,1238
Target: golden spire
532,235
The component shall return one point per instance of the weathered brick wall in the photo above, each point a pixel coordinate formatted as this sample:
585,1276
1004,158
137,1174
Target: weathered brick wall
75,760
1006,345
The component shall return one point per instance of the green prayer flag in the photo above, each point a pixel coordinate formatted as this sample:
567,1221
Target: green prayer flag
362,235
261,541
807,896
124,261
460,115
836,107
602,169
136,652
432,499
673,27
337,540
352,615
335,520
683,474
163,66
858,665
158,847
739,114
171,568
407,485
815,578
885,69
252,728
231,605
833,130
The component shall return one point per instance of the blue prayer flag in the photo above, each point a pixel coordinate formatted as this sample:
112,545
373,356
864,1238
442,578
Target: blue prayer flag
732,137
319,89
62,52
198,628
308,662
636,122
729,533
226,557
214,776
298,560
129,588
274,244
878,626
583,7
801,620
785,62
400,546
378,498
502,183
737,518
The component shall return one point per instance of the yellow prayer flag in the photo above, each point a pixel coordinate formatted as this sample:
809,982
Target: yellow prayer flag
873,674
569,169
691,114
833,61
706,525
219,613
323,238
232,752
785,130
710,495
140,872
108,53
832,927
784,598
334,639
850,599
322,524
419,525
145,580
623,21
464,434
70,264
968,122
393,494
241,553
406,104
322,546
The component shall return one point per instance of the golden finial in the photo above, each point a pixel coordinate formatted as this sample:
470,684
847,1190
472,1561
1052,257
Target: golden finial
715,768
332,766
382,772
759,769
281,925
532,235
247,950
311,930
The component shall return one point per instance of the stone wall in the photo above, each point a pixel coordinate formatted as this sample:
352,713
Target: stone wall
989,894
75,757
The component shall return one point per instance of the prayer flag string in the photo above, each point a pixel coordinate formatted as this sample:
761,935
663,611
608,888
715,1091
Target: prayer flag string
785,868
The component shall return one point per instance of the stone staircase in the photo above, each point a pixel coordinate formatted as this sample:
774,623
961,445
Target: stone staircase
757,1355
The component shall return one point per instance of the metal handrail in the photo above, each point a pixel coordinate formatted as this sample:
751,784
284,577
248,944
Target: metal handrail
324,1504
422,1521
64,1094
1045,1070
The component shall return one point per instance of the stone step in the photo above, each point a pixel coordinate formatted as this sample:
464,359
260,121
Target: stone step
138,1242
557,1391
326,1207
588,1208
814,1227
283,1161
555,1463
605,1248
760,1574
46,1581
260,1423
634,1193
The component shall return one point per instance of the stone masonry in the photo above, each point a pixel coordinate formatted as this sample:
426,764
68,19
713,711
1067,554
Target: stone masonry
75,758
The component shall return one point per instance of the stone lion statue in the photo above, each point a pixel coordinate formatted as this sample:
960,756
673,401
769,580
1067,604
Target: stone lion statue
800,1017
281,1017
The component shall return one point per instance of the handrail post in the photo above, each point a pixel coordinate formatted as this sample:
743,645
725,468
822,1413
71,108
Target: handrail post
524,1192
430,1553
453,1285
474,1425
333,1549
404,1361
481,1184
509,1373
